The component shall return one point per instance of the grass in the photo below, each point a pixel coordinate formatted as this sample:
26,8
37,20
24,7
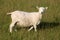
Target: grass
49,29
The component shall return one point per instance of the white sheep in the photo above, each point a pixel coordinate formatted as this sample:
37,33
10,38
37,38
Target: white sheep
26,19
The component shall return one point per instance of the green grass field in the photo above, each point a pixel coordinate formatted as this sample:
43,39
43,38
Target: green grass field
49,29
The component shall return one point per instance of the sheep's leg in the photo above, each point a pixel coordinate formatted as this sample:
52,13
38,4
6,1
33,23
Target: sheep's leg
11,26
38,23
35,27
30,28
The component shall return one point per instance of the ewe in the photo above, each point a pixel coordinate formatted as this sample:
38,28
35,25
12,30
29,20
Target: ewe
26,19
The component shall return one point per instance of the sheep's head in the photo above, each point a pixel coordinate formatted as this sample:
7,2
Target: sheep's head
42,9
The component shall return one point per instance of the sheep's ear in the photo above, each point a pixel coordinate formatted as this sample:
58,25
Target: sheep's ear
46,7
37,7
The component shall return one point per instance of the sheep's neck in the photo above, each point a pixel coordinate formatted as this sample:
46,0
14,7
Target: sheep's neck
40,13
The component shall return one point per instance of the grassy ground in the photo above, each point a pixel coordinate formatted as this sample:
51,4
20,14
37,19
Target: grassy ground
49,29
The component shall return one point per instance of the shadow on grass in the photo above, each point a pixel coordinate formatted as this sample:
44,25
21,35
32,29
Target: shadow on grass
47,25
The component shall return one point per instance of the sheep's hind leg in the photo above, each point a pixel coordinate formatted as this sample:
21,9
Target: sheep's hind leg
30,28
11,26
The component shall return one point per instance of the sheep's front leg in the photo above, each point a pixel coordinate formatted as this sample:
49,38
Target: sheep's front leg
35,28
30,28
38,23
11,26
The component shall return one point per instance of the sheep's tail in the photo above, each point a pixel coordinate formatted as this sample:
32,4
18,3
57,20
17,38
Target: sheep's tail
8,13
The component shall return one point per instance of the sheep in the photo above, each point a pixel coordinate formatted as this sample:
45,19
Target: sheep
26,19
